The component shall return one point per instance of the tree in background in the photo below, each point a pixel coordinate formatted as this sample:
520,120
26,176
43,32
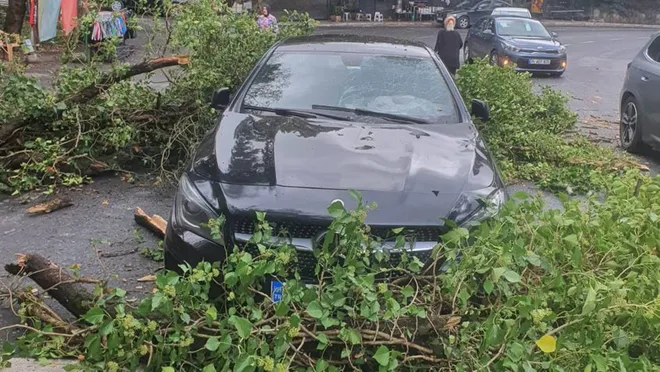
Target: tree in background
15,16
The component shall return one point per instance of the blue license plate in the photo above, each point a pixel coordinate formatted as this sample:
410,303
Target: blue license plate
276,290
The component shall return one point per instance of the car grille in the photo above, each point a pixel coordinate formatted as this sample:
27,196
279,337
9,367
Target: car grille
309,231
306,259
532,51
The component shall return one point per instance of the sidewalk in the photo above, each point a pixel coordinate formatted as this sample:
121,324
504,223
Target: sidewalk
547,23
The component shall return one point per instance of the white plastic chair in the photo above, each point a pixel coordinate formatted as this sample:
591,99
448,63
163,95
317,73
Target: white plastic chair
378,17
368,17
358,16
347,17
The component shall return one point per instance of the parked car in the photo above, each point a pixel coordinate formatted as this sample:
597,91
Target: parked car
468,15
320,116
523,43
640,99
463,5
512,12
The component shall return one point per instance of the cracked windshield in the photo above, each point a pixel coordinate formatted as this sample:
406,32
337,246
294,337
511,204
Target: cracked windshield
408,86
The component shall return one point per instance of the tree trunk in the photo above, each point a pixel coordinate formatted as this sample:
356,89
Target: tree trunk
59,284
15,16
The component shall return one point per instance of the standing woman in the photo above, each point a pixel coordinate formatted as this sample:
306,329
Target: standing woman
267,20
448,46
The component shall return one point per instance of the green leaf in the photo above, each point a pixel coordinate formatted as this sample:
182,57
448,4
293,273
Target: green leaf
321,365
382,356
225,343
242,325
212,312
397,231
107,328
167,369
497,273
212,343
512,276
600,362
322,338
408,291
94,316
315,310
243,362
336,209
572,240
209,368
488,286
590,302
156,300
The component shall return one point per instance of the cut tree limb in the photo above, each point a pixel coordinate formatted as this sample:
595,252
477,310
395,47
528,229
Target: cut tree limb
110,78
50,206
156,224
59,284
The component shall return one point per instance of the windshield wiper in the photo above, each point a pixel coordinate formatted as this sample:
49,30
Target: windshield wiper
357,111
298,113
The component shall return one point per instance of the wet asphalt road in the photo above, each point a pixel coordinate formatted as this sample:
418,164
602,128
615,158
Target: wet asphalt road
101,221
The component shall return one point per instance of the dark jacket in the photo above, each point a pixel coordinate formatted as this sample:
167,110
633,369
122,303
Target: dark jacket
448,46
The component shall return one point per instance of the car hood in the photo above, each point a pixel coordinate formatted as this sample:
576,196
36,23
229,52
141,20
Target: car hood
294,166
546,44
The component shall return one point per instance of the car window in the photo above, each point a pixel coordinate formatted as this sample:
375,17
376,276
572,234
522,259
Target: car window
521,28
411,86
483,6
654,49
491,25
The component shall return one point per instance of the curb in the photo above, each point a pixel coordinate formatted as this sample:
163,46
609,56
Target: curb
32,365
433,24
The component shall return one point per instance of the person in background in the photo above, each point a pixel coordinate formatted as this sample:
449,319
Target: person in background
267,20
448,46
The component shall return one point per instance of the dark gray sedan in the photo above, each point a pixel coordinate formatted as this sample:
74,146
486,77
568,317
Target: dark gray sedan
521,42
640,99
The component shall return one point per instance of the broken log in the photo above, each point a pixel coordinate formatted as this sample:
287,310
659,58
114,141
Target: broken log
106,80
50,206
59,284
156,224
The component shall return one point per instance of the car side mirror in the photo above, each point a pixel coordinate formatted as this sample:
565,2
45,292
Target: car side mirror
554,35
480,109
221,98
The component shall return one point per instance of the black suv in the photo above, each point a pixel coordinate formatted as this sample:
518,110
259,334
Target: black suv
467,13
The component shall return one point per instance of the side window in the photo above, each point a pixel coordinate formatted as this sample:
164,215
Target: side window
490,25
654,50
483,5
479,26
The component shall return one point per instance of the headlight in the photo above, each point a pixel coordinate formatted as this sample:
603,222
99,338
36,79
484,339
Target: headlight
562,49
191,211
474,208
510,48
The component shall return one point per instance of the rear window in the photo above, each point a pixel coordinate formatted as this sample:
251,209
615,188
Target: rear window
654,49
410,86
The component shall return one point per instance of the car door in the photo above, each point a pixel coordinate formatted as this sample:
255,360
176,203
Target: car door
474,39
649,89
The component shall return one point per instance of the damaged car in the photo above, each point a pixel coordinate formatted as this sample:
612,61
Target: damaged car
319,117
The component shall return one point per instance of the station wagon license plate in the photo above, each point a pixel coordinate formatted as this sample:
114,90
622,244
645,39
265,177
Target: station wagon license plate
539,61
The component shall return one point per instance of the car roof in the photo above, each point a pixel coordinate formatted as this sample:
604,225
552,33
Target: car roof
512,17
339,43
511,8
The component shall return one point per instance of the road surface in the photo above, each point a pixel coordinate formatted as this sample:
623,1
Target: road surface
101,220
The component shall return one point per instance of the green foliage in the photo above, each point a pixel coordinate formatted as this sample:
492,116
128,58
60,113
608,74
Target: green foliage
535,289
527,130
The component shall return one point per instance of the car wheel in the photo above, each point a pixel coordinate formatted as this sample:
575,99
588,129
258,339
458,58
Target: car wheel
630,131
466,53
494,58
463,22
171,263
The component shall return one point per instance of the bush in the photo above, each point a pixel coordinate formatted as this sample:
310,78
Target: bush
527,131
534,289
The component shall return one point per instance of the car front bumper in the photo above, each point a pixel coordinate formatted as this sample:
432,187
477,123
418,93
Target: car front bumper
522,62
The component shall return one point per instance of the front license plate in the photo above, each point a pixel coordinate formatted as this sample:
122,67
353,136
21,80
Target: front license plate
276,290
539,61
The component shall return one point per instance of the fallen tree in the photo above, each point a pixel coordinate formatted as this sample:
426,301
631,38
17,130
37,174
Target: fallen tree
569,290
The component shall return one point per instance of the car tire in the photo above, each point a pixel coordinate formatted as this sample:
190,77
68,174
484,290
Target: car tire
463,22
466,53
630,130
494,59
170,263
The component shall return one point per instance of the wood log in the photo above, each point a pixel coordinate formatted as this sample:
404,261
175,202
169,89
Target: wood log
59,284
50,206
156,224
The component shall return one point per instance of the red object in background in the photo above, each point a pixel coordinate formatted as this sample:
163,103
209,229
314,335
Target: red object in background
69,12
33,12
